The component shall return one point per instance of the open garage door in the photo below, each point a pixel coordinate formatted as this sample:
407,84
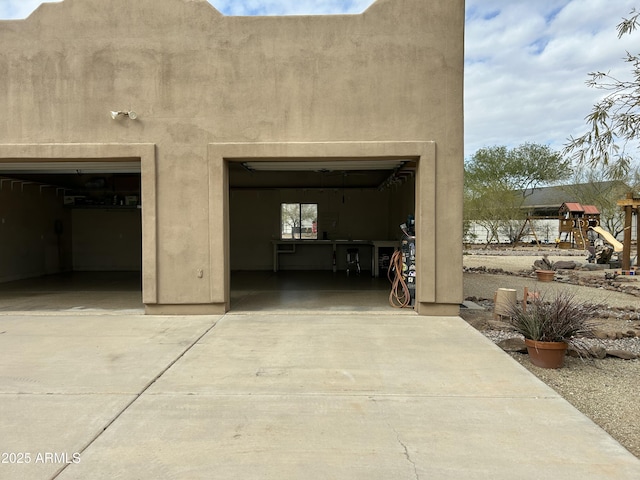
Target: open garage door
316,233
71,234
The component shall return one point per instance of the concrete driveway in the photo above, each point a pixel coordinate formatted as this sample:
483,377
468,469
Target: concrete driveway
282,396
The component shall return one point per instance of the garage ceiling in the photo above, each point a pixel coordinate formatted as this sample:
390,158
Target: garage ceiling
68,167
335,173
324,166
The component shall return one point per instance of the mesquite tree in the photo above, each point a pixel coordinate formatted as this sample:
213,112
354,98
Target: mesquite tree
614,122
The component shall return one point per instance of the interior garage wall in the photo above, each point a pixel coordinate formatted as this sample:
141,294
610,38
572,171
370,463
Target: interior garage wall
29,244
402,203
107,240
342,213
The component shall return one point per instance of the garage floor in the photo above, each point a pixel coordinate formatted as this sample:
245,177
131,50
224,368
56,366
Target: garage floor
311,291
120,292
74,291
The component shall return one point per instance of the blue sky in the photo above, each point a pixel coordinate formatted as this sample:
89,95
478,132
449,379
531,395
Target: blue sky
526,60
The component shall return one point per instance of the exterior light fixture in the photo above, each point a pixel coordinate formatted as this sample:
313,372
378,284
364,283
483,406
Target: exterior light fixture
131,114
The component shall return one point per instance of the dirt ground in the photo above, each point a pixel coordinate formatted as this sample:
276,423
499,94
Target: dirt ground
487,271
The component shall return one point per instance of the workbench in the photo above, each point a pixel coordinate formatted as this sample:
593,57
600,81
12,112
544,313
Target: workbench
289,247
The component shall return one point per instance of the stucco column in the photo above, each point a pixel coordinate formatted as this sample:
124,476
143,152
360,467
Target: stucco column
219,230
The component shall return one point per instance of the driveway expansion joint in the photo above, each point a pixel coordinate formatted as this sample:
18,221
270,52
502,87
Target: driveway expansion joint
138,395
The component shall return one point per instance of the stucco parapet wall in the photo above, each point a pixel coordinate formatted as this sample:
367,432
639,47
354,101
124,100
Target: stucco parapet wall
206,11
146,20
393,72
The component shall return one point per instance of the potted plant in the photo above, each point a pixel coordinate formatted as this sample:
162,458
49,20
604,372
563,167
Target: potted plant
550,325
544,269
545,275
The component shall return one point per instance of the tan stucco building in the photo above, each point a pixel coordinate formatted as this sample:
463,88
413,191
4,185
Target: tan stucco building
179,190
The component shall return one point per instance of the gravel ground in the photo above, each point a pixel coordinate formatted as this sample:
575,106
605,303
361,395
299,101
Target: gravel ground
604,390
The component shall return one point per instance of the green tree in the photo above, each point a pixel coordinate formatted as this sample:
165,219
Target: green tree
521,169
498,180
614,122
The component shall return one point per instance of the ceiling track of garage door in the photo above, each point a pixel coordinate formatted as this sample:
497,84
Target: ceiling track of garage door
23,183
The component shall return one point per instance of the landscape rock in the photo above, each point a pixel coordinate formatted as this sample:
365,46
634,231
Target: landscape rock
623,354
593,351
513,345
564,265
543,264
498,324
592,267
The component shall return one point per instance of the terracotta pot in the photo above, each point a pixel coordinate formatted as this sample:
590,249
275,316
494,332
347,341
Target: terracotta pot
545,275
546,354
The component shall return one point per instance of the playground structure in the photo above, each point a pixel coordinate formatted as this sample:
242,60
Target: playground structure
577,225
573,231
575,222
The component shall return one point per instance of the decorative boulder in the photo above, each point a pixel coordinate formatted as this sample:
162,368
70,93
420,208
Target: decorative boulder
564,265
623,354
513,345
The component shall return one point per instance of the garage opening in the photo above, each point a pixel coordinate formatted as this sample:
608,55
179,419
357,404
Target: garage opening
316,234
71,234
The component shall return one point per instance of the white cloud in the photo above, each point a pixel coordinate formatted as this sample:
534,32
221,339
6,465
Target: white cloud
526,61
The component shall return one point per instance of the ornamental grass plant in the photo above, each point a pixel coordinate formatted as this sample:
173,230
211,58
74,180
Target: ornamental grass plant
557,316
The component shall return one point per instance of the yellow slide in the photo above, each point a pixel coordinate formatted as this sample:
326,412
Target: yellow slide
617,246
